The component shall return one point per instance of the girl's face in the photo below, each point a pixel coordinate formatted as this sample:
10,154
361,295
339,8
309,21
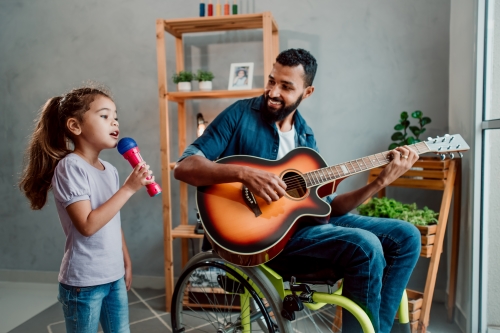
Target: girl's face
100,124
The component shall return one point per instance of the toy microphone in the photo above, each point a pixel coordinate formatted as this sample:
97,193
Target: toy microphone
128,148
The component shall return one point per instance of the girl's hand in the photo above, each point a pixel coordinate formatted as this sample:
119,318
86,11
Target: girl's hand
128,274
137,178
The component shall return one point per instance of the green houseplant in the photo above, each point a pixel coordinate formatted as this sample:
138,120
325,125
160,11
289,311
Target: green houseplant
205,79
385,207
402,137
183,80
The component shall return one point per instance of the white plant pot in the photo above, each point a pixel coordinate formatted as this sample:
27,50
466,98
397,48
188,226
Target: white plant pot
184,86
205,85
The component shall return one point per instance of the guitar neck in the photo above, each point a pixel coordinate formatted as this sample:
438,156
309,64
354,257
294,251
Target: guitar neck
344,170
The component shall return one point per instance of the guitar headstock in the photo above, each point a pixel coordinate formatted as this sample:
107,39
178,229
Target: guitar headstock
447,144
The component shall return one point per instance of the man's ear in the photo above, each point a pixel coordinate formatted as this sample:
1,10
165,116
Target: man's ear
74,126
308,92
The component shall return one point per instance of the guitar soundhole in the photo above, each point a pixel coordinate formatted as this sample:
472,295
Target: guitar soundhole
295,184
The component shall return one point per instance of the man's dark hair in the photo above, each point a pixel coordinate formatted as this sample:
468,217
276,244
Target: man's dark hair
295,57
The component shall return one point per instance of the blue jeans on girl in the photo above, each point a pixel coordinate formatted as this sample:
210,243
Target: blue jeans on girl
374,256
84,307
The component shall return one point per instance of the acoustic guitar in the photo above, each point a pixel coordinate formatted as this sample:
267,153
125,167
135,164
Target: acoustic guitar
246,231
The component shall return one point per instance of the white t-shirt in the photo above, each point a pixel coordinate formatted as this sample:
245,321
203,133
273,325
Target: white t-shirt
287,142
98,259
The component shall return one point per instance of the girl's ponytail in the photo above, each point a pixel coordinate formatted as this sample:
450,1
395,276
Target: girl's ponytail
50,141
47,146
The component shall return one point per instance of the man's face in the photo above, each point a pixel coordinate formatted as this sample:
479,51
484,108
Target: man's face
284,91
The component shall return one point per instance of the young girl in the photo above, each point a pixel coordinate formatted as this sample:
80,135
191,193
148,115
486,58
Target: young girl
96,270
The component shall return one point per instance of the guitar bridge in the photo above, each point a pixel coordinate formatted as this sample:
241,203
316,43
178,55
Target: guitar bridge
249,199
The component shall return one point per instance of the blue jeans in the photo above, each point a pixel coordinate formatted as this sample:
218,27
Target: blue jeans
84,307
375,257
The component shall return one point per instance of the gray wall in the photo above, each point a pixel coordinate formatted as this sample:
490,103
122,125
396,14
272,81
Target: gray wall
376,59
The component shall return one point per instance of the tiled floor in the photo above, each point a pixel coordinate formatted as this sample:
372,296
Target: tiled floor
32,308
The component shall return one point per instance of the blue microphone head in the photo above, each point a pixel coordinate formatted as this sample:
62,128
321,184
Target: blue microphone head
125,144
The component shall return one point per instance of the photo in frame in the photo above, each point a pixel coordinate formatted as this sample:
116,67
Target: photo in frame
240,76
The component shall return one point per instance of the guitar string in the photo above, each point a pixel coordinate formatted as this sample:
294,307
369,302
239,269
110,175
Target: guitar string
298,179
370,157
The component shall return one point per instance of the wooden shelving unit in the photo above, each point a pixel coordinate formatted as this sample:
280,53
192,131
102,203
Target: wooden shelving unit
178,28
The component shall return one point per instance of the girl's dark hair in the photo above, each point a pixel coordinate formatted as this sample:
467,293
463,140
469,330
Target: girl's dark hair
51,139
295,57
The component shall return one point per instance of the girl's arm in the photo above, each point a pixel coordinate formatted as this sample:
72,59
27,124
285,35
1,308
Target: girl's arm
88,221
128,264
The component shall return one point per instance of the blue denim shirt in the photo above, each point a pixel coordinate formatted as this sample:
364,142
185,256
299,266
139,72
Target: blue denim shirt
241,130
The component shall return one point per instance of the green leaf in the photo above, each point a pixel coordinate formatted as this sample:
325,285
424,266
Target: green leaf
393,146
417,114
425,120
405,123
399,127
404,115
397,136
422,130
415,130
410,140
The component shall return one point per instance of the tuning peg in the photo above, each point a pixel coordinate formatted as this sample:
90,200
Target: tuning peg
429,139
460,154
446,135
448,147
458,146
451,155
443,157
444,139
451,139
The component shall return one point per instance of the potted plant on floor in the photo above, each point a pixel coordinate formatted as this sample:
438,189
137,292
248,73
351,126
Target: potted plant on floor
205,79
183,80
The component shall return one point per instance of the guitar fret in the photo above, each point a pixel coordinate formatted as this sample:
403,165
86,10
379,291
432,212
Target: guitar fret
309,176
340,174
353,167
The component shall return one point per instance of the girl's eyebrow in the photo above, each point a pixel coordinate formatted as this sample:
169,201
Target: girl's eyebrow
105,109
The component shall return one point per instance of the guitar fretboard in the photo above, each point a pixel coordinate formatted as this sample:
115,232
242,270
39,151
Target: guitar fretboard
343,170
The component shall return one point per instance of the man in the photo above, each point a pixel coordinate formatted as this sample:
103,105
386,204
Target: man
374,256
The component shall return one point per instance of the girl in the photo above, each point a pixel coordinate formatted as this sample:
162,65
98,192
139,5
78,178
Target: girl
96,270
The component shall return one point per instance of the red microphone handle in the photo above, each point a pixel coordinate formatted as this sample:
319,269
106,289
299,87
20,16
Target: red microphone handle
133,156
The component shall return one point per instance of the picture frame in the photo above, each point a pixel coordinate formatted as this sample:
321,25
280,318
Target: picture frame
240,76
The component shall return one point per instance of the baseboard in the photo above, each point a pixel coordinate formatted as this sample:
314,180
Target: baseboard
460,318
138,281
493,329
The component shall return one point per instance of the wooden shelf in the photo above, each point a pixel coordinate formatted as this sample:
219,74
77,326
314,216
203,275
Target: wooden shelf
177,27
182,96
185,231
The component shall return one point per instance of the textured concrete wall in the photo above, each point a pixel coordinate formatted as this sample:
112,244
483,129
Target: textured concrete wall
376,59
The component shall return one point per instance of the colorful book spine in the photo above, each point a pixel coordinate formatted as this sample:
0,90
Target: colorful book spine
202,8
217,8
210,8
235,8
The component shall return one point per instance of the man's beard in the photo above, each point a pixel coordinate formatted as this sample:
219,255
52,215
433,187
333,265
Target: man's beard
282,112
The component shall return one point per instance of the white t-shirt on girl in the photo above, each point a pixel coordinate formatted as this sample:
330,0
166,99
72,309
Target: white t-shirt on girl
98,259
287,142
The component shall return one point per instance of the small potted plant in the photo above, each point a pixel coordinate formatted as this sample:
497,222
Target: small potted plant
205,79
401,137
183,80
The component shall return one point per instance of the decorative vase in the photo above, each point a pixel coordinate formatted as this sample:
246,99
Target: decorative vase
205,85
184,86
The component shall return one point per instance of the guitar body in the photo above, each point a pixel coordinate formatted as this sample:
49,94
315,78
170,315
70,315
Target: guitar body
243,228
